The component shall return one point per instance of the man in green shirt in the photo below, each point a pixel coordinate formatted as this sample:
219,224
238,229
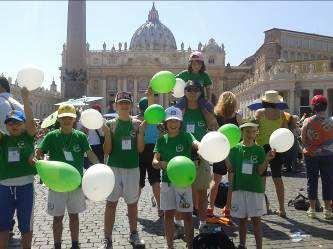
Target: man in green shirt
17,173
66,145
194,122
124,140
248,161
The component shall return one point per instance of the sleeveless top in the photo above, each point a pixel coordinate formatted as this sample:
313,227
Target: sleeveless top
319,134
267,127
222,121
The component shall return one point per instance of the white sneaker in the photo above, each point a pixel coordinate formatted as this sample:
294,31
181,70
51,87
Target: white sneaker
311,213
327,214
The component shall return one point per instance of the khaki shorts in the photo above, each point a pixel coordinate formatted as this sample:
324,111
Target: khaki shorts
245,204
74,201
173,198
126,185
204,176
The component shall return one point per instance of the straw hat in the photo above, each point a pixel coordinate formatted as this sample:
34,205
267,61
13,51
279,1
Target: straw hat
272,96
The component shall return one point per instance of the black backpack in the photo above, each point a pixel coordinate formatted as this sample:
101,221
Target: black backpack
222,193
302,203
217,240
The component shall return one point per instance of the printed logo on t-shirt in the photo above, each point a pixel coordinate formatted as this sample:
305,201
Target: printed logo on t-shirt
201,123
254,158
179,148
20,144
76,148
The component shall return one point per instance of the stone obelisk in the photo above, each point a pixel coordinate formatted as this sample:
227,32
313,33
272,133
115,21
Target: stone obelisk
74,70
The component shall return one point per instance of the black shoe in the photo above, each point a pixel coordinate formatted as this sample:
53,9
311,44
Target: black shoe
107,244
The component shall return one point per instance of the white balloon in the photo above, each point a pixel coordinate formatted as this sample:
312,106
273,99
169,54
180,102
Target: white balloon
214,147
30,77
92,119
281,140
179,89
98,182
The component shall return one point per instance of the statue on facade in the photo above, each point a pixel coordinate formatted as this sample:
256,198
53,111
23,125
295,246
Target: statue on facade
189,49
125,45
311,68
222,46
104,46
64,47
87,46
119,46
113,49
199,46
182,46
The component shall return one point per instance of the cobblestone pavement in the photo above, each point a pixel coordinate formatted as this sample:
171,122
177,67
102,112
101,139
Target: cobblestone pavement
276,230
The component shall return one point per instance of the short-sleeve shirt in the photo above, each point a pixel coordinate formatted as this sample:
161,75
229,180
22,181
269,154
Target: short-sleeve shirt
244,161
124,152
202,78
194,123
57,144
319,134
169,147
14,156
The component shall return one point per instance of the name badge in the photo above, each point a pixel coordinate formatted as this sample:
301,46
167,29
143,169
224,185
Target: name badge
247,168
68,156
190,128
126,144
13,155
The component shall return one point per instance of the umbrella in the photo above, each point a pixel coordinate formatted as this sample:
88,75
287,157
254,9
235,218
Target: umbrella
86,99
257,104
73,102
50,120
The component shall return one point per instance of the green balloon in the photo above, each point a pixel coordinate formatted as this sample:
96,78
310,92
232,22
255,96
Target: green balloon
163,82
58,176
181,171
232,132
154,114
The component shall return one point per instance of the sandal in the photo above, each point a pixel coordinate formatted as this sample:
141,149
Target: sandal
281,214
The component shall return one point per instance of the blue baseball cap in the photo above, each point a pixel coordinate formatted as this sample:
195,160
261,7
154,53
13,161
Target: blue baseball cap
15,115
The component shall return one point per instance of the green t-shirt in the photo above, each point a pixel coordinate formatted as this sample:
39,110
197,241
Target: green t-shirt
202,78
60,145
169,147
244,161
124,152
14,156
194,123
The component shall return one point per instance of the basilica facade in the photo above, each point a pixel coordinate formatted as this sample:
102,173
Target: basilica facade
153,48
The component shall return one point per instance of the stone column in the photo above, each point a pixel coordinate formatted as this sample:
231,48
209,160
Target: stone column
119,84
103,91
292,101
135,92
125,83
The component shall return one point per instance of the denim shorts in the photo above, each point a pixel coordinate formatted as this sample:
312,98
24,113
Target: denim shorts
21,199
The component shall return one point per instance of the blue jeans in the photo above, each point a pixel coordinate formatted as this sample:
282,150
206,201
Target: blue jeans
20,198
324,165
203,104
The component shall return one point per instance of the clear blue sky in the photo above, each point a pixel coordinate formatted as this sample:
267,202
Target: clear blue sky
33,32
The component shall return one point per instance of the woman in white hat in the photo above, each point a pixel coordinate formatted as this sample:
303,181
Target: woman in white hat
270,118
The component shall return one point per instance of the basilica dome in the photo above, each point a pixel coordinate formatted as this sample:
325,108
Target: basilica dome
153,35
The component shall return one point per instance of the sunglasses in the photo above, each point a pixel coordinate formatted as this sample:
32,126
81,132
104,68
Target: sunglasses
193,89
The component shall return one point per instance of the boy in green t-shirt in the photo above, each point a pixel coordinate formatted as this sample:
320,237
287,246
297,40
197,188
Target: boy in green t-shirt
124,140
172,199
66,145
17,173
248,161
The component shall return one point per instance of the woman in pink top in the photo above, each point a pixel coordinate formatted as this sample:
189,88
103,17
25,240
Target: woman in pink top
317,137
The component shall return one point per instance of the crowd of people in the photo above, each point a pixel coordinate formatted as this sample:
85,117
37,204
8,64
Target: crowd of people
133,148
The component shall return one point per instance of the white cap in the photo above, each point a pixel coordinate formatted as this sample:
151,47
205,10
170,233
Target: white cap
173,113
